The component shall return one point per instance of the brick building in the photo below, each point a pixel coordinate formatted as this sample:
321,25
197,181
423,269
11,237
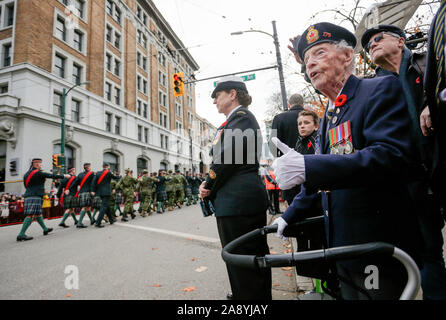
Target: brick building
118,58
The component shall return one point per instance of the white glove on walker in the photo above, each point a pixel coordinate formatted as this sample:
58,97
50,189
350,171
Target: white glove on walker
290,168
281,224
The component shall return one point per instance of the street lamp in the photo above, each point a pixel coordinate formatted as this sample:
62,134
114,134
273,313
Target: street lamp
62,140
279,60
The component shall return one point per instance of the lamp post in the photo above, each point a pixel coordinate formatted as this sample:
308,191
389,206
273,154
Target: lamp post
278,57
62,126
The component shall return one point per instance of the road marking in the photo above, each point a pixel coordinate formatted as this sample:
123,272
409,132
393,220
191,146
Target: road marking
212,241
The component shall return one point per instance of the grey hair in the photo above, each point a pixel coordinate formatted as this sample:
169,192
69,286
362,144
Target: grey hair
343,45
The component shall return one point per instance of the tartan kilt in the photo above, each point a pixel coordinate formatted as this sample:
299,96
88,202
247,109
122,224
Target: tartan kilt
33,206
188,191
84,200
161,196
97,201
69,202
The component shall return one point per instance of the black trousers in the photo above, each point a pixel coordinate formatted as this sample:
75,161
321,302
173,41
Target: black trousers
273,196
105,209
288,195
246,283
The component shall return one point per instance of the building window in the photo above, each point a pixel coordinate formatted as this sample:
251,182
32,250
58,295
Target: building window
117,67
117,40
108,120
145,110
75,110
117,96
4,88
6,55
138,59
162,59
144,86
109,7
108,91
108,62
144,41
139,133
109,34
144,63
138,109
117,125
117,15
61,30
79,6
57,103
138,12
78,36
146,135
162,98
112,160
9,14
144,19
59,64
77,71
138,83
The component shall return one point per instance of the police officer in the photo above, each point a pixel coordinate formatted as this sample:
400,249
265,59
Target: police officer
83,195
128,187
34,182
363,169
100,186
66,192
235,187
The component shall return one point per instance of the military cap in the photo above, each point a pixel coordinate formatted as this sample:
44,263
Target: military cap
145,171
105,164
87,164
229,83
128,170
71,168
170,171
36,160
323,32
369,33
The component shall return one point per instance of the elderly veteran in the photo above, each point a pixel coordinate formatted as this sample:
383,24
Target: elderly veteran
362,166
235,188
387,49
34,181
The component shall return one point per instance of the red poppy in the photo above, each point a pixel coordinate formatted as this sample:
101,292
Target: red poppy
309,145
418,81
341,100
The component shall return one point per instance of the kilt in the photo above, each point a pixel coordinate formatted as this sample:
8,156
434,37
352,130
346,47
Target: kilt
69,202
161,196
97,202
84,200
33,206
195,191
188,191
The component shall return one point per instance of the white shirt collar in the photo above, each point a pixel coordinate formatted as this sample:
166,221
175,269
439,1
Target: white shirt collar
234,110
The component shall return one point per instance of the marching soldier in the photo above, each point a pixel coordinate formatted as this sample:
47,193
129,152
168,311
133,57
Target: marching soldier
181,182
128,187
66,192
188,188
154,201
170,190
161,194
100,186
196,181
145,186
83,195
34,181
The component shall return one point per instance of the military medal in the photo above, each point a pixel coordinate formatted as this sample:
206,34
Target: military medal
335,119
341,139
348,148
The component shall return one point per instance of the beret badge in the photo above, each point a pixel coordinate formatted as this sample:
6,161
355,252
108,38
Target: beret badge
312,35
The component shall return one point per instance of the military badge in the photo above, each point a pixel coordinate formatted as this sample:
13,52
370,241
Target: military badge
312,35
341,139
212,174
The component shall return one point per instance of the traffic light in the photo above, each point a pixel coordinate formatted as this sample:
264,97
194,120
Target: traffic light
13,167
56,160
178,84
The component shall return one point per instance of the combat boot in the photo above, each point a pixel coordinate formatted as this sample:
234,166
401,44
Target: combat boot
24,238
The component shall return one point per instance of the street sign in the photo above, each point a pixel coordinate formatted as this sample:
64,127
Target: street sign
244,78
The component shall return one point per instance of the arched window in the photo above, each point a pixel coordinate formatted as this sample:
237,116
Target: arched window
141,164
163,166
113,160
70,159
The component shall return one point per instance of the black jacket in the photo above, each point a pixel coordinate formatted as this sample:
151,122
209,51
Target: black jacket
234,181
286,125
36,185
102,189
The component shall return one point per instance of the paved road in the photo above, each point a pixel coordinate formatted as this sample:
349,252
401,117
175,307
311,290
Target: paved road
147,258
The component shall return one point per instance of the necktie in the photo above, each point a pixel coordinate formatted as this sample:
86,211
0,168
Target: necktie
439,44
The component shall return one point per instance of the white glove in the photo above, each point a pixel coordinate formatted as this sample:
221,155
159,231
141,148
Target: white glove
290,168
281,224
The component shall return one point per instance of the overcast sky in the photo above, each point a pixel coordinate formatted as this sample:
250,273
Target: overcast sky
204,26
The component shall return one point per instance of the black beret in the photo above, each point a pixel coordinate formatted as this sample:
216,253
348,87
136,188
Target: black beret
323,32
87,164
36,160
228,84
105,164
70,168
380,28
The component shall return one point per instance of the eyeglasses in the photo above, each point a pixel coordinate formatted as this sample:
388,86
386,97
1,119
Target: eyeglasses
378,39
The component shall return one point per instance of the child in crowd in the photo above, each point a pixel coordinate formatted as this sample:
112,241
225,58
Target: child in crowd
308,125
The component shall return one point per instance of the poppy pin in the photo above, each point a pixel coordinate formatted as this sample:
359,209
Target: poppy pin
418,81
341,100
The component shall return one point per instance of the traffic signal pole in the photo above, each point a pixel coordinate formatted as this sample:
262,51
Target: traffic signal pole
62,139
